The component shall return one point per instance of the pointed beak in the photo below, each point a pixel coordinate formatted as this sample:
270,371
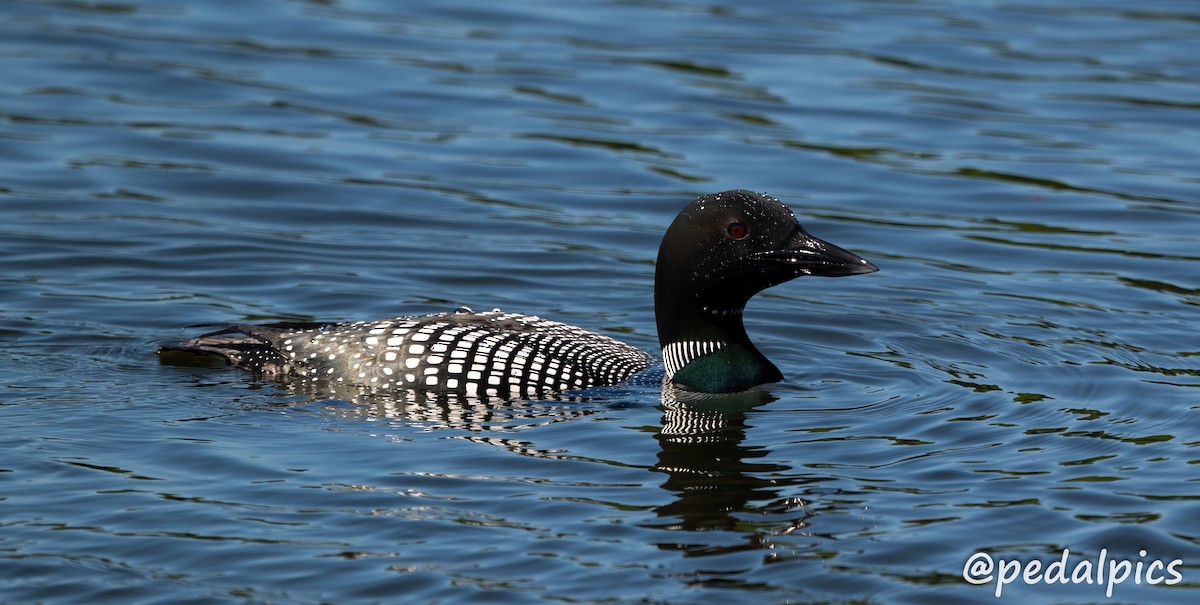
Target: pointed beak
807,255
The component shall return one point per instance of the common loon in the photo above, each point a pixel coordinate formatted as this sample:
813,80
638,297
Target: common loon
721,250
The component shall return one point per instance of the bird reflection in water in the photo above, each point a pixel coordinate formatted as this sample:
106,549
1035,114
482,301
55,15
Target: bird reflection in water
713,475
716,480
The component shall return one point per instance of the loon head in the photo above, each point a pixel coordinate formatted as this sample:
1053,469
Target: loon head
720,251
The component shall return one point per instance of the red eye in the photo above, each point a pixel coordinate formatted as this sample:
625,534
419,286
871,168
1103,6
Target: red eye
737,231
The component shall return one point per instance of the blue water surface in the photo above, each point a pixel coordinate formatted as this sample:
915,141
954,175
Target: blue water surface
1021,377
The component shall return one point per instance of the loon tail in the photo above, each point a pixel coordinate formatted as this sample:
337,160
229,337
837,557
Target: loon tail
232,345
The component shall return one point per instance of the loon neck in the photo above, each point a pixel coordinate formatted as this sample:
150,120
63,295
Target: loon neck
706,348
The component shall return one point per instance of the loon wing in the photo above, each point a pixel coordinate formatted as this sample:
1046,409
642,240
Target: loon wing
487,354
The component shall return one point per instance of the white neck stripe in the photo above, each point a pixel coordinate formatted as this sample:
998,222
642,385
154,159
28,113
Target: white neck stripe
676,355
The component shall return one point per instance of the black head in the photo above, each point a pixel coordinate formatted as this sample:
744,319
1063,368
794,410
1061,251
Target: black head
721,250
726,247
